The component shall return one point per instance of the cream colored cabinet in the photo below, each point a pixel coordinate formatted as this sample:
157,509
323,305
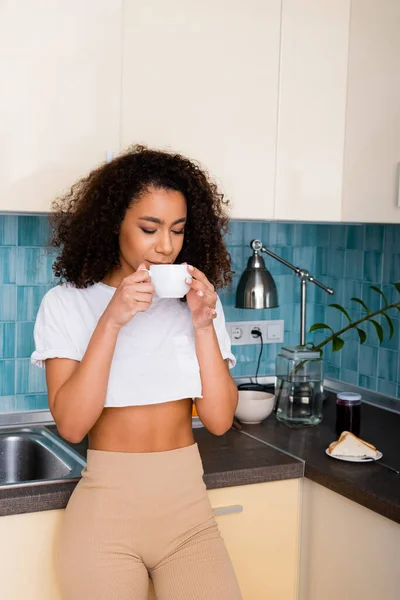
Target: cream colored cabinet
347,551
338,149
201,78
312,109
260,525
372,151
60,68
27,556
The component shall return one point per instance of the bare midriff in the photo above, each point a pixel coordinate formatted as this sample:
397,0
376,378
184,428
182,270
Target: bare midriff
151,428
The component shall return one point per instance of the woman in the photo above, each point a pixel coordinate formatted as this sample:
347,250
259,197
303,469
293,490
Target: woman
124,366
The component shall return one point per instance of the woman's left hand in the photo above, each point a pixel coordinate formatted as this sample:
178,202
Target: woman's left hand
201,299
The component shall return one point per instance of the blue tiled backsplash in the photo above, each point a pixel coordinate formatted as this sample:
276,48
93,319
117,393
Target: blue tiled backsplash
348,258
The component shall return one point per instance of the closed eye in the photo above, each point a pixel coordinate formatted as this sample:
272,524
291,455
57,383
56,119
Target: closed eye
151,231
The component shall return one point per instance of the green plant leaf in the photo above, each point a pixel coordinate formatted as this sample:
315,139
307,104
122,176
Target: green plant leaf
362,335
379,329
376,289
397,286
390,323
362,304
320,326
337,344
343,310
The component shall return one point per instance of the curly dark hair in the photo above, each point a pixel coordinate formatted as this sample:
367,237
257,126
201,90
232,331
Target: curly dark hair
86,221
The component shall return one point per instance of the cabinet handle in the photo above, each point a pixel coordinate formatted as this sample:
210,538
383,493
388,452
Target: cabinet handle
228,510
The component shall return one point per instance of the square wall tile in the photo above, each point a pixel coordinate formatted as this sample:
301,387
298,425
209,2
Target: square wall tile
8,304
25,342
29,378
368,360
33,231
7,265
354,264
387,364
7,404
252,230
7,377
373,266
28,300
391,239
31,402
374,237
7,340
8,230
349,376
34,266
387,387
369,383
336,263
355,235
371,298
234,236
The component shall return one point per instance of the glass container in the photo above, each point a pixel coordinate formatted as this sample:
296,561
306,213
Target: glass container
299,387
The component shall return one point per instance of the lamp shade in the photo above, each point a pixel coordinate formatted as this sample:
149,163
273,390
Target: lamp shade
256,288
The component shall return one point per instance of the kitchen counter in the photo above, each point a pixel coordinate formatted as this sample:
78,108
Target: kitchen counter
369,484
269,452
229,460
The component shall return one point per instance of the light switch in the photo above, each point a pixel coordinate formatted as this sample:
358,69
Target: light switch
274,331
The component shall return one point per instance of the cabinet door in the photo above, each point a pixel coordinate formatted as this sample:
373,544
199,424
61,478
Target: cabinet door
372,153
347,551
260,526
201,78
312,105
27,556
60,102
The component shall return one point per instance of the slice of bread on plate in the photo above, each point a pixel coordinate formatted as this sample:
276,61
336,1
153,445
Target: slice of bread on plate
350,445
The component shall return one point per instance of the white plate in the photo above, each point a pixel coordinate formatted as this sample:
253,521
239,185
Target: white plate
354,458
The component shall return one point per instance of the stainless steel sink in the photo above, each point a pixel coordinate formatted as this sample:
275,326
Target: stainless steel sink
33,456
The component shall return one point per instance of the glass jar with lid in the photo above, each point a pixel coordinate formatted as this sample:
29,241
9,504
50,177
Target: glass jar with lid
299,386
348,412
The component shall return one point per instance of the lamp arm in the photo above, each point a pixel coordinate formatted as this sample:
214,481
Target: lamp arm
302,273
304,276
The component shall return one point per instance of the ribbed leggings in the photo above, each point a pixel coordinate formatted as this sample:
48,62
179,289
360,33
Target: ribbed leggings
135,515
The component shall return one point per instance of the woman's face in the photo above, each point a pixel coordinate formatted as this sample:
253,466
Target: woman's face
153,229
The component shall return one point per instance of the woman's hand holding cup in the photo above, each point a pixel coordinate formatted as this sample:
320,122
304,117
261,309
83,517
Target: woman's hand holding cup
134,294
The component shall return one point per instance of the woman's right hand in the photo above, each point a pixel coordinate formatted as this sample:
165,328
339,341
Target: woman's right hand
134,294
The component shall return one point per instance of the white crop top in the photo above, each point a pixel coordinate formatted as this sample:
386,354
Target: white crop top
155,357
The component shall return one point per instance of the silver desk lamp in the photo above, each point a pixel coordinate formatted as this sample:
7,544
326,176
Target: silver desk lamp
257,289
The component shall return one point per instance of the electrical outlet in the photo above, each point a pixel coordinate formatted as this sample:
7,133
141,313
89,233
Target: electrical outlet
240,332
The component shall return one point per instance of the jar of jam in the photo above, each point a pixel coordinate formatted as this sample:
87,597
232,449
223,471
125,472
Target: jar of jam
348,412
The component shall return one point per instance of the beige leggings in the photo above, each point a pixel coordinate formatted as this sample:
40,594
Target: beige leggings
137,515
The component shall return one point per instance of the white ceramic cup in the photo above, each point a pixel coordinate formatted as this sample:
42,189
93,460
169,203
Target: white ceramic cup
169,280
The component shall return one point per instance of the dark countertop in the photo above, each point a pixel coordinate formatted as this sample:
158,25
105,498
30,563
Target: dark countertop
273,452
369,484
229,460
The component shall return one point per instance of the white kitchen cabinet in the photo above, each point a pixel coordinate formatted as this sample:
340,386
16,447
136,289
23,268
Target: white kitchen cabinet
312,110
347,551
201,78
60,67
372,149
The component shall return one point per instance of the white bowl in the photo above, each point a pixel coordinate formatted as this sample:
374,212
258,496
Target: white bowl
253,406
